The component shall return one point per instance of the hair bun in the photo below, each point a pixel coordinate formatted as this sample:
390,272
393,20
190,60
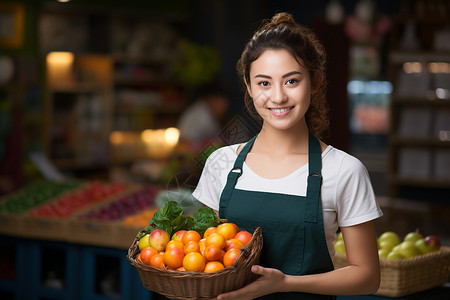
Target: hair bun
282,18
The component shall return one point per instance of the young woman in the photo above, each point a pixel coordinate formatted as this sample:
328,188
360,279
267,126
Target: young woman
296,188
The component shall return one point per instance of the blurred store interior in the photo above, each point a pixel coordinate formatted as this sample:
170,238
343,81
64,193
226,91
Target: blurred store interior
94,90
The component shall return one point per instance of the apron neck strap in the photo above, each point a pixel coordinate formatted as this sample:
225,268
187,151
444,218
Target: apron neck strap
313,200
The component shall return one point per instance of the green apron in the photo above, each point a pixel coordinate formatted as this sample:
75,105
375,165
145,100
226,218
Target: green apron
292,226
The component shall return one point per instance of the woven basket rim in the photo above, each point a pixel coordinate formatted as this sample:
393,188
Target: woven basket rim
422,258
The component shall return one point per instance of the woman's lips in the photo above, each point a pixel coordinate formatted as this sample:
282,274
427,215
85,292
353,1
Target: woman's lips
280,112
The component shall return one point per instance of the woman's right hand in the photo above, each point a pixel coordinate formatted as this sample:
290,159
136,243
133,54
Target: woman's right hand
271,281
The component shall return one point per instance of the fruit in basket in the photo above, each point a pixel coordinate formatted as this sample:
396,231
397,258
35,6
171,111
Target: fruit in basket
209,231
243,236
216,239
194,261
175,243
339,246
383,253
413,236
213,266
191,235
191,246
213,253
395,255
158,239
428,244
157,261
227,230
389,236
230,257
387,244
233,244
143,242
408,249
173,257
146,254
178,235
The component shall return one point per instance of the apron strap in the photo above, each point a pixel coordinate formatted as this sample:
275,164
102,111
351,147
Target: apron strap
233,176
314,180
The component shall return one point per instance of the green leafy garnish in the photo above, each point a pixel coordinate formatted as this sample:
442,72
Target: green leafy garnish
204,218
170,218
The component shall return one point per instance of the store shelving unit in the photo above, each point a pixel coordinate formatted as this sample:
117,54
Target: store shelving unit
78,113
38,270
419,139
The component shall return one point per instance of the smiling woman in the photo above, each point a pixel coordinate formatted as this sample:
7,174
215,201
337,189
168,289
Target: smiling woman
297,189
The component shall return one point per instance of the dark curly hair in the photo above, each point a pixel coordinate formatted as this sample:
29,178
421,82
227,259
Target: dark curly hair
282,32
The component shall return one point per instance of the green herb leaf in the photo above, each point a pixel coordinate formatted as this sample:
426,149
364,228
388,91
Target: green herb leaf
204,218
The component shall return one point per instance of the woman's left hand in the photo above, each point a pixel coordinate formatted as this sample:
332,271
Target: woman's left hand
269,282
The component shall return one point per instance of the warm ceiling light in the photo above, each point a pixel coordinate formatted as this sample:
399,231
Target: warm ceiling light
63,1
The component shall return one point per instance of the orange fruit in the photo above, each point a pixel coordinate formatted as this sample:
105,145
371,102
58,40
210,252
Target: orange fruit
175,243
181,269
202,245
146,254
191,235
216,239
228,230
243,236
209,231
230,257
213,266
191,246
157,261
213,252
194,261
234,244
173,257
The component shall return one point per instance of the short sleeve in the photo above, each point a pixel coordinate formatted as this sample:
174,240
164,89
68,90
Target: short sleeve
214,175
356,202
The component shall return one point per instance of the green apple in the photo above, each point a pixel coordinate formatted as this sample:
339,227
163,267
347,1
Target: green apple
428,244
389,236
408,249
387,244
413,236
339,246
395,255
144,242
383,253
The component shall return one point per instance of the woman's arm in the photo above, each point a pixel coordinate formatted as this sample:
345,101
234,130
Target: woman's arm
362,276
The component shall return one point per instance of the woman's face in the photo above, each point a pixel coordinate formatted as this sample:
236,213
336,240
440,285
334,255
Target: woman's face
280,88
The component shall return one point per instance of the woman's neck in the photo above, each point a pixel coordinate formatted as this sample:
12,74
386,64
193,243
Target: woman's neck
281,142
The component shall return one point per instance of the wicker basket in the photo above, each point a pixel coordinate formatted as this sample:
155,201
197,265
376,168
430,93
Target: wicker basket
199,285
408,276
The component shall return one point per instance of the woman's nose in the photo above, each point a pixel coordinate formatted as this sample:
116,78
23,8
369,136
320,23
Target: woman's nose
278,95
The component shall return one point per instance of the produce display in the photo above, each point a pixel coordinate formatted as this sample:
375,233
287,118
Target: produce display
72,202
124,206
202,243
391,246
140,219
35,195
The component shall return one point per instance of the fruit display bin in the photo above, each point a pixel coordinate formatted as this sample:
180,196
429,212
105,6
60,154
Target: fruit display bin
411,275
199,285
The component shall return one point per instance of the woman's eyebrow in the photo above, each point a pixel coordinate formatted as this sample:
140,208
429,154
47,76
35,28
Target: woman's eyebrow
284,76
291,73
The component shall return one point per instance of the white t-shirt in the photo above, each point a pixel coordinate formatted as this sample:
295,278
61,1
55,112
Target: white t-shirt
347,195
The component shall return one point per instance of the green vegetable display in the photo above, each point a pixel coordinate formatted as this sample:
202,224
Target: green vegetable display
170,218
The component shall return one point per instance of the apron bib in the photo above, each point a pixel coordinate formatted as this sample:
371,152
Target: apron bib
292,226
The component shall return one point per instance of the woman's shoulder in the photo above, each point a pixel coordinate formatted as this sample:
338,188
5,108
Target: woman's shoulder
224,154
341,159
